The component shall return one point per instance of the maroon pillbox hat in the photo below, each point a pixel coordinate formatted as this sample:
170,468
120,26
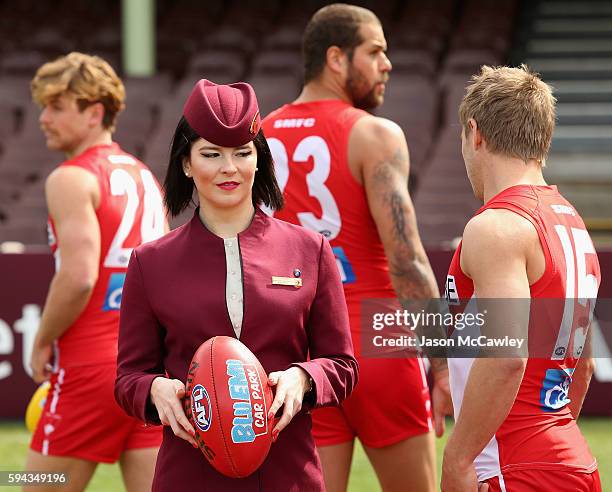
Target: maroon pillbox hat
225,115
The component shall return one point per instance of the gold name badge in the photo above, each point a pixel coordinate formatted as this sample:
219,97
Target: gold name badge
294,282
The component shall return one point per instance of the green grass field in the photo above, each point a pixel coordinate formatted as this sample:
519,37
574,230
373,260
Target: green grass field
14,440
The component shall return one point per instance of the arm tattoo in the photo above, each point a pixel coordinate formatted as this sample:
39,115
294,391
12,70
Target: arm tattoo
396,204
410,271
385,182
383,173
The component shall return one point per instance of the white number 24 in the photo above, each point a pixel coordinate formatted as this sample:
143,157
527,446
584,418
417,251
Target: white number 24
152,223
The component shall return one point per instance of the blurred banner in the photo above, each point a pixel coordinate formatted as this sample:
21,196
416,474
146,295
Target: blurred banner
24,280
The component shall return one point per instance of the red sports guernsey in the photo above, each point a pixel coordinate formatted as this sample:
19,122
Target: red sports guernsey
130,212
540,432
309,142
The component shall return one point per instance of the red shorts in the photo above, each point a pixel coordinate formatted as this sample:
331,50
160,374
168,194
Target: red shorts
541,480
391,403
82,420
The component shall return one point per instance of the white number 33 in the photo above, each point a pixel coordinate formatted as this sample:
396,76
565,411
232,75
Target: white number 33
330,223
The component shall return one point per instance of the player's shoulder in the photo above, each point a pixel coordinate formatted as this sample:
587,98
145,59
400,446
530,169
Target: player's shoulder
372,127
67,178
374,138
291,230
93,160
157,249
377,142
292,233
115,155
101,158
106,159
275,114
497,230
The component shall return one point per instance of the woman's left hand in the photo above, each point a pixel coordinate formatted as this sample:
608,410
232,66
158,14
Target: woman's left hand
291,386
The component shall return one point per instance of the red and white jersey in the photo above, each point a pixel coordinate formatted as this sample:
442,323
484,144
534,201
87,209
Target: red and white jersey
309,143
540,431
130,212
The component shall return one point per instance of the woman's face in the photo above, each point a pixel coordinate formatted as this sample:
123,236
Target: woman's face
223,176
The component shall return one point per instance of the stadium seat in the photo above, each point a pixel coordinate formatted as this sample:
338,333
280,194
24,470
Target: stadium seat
413,62
15,89
230,39
135,124
27,231
8,121
220,66
22,63
147,89
50,41
274,90
287,38
277,62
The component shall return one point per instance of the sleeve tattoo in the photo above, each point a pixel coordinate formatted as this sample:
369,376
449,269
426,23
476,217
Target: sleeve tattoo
408,265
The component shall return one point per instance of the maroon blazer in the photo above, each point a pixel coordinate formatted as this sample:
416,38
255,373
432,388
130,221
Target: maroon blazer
174,299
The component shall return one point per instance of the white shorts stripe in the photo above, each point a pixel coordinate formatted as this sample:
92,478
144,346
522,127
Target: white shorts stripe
422,368
428,408
56,391
48,429
424,381
502,484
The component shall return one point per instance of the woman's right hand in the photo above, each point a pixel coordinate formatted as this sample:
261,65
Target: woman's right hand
166,395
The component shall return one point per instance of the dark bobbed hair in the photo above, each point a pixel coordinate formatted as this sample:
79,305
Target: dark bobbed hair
333,25
178,188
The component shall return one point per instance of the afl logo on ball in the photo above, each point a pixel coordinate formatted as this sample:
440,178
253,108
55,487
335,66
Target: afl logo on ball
201,407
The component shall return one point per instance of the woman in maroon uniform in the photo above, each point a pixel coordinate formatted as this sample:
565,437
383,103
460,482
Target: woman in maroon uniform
214,276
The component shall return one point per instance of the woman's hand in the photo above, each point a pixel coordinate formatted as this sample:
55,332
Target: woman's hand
291,386
166,395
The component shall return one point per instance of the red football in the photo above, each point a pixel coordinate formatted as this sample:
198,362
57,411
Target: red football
227,402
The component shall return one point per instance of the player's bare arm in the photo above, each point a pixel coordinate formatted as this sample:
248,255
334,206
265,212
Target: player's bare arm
378,156
72,198
499,253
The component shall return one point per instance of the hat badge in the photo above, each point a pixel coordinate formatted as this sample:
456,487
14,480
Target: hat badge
253,127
